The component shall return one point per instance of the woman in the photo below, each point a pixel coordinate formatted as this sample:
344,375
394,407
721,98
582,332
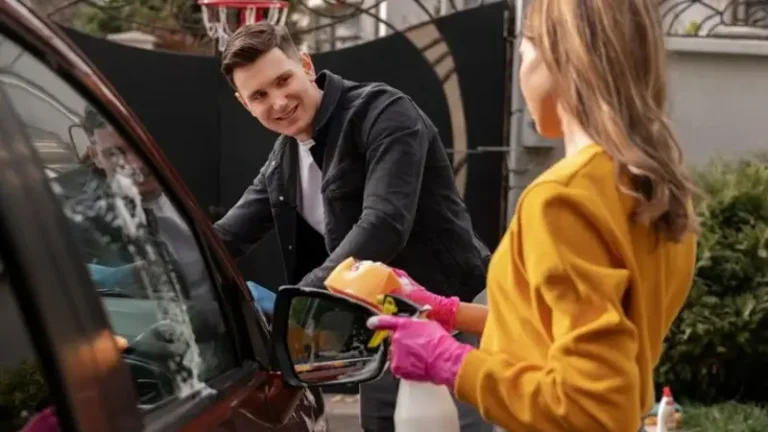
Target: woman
600,255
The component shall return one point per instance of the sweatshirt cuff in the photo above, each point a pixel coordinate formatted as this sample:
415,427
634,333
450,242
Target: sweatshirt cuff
468,378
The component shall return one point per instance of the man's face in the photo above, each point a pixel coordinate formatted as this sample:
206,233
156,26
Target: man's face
112,154
280,92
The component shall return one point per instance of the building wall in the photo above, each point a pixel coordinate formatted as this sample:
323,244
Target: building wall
719,96
718,105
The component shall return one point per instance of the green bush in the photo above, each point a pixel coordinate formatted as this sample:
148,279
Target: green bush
21,389
717,349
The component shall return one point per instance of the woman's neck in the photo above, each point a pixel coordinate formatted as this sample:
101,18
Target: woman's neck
574,136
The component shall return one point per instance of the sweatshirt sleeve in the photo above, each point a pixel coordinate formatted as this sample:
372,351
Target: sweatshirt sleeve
589,380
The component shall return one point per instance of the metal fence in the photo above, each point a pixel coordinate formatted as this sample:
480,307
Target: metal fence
327,25
746,19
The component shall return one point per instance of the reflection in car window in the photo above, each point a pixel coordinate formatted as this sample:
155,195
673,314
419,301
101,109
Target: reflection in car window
139,249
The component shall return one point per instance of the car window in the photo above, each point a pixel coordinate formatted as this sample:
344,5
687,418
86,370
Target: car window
140,249
23,389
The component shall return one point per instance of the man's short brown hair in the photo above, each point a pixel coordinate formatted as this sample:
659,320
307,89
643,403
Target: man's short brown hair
251,41
92,121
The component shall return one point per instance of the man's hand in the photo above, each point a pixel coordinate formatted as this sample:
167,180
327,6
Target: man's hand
263,298
161,342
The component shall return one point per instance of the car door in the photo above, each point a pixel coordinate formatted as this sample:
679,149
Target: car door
56,355
195,349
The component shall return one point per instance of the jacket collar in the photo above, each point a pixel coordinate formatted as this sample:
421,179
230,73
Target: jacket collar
332,86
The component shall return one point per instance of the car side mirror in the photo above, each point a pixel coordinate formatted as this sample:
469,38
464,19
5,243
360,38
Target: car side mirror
79,139
320,339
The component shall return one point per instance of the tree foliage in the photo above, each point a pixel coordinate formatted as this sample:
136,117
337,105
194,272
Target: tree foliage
717,350
114,16
176,23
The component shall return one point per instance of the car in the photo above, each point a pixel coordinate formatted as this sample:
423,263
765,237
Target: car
107,324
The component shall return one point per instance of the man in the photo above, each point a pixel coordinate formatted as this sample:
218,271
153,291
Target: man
358,170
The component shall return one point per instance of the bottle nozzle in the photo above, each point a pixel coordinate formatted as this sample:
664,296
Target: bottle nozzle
667,392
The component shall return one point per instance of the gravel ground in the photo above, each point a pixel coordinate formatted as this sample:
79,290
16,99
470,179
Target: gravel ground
343,413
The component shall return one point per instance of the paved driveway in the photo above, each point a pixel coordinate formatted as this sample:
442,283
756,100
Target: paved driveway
343,412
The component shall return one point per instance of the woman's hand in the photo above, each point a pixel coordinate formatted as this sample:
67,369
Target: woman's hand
422,350
44,421
443,308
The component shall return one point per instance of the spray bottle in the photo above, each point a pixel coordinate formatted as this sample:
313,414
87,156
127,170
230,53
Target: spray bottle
424,407
420,406
665,419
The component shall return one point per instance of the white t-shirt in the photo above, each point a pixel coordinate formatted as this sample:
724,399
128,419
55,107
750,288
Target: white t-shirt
310,200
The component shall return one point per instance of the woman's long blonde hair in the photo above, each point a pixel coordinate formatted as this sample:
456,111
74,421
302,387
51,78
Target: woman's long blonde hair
608,61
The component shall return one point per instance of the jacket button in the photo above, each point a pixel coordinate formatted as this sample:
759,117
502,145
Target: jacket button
290,247
281,198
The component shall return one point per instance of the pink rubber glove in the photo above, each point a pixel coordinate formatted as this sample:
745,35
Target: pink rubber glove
44,421
443,308
422,350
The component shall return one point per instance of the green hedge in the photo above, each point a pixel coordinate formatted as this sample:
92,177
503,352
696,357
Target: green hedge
717,349
21,389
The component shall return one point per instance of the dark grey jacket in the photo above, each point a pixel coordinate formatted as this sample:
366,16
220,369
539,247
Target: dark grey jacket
388,190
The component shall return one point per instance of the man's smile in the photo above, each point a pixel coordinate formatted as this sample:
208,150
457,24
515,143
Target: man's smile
288,115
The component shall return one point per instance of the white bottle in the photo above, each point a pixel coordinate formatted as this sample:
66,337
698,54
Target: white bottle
424,407
665,419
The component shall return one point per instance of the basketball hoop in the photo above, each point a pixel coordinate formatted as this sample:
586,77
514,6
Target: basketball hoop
217,17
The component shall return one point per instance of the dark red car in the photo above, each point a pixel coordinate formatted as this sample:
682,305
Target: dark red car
99,322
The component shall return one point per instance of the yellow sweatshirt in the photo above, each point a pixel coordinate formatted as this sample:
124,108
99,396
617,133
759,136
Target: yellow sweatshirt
580,300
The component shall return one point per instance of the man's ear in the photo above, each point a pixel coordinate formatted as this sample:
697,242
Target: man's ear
241,100
93,154
306,63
